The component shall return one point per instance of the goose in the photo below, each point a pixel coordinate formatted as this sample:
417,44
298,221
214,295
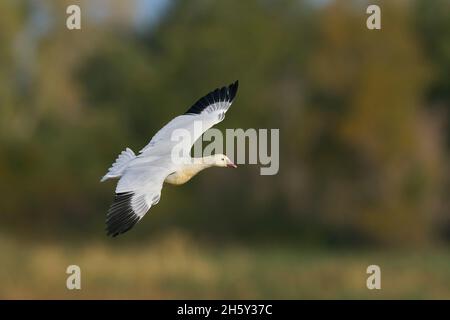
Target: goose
141,177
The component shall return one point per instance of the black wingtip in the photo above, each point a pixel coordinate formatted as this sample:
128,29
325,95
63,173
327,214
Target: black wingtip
233,88
121,216
220,94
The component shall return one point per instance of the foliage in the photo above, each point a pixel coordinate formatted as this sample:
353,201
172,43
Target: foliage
363,152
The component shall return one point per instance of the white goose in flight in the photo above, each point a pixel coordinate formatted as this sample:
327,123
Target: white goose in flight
142,176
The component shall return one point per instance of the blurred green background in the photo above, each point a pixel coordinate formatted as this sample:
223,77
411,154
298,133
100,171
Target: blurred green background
364,148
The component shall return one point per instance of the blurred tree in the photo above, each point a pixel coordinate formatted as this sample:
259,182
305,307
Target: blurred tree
432,22
361,156
376,161
9,27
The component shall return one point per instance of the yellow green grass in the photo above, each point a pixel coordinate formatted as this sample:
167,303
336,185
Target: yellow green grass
177,267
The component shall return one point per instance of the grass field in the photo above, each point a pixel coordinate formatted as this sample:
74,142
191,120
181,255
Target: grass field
176,267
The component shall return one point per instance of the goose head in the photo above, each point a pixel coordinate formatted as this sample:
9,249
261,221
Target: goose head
221,160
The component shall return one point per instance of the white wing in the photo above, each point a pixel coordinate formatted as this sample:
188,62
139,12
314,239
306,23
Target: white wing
137,191
139,187
205,113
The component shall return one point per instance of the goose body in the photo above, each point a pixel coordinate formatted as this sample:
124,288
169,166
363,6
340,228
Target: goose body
187,171
141,177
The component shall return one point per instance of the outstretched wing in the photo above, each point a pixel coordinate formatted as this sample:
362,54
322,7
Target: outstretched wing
137,191
202,115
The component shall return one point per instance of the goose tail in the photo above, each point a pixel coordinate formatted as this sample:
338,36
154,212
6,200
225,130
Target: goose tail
119,166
